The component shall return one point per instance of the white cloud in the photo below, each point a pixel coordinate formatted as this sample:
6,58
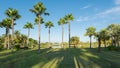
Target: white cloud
114,11
85,7
110,13
117,2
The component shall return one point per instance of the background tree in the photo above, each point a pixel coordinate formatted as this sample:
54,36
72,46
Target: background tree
17,38
90,31
74,40
13,15
104,36
28,26
48,25
114,31
98,36
39,9
62,22
69,18
6,23
24,40
33,42
2,41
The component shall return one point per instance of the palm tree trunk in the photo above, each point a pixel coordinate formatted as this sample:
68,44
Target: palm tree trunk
5,45
90,42
69,32
28,37
117,41
8,39
105,43
99,44
49,36
62,34
5,42
39,34
12,35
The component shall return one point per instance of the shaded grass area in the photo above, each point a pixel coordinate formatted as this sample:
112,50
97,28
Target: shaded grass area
60,58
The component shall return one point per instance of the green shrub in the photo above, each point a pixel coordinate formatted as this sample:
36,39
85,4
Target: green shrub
112,48
1,46
17,47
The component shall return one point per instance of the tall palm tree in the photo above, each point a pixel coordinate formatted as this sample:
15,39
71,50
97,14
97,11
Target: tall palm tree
39,9
62,22
90,31
7,24
48,25
28,26
13,15
69,18
37,23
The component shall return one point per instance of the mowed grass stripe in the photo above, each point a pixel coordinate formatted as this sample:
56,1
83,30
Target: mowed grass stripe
60,58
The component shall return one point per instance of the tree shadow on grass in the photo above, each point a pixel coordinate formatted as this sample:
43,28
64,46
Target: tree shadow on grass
56,58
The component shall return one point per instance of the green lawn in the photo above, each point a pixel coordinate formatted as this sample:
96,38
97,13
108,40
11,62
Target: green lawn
60,58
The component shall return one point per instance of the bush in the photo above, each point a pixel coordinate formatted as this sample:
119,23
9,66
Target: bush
1,46
17,47
112,48
26,47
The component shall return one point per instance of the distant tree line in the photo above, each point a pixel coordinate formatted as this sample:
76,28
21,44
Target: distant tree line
110,36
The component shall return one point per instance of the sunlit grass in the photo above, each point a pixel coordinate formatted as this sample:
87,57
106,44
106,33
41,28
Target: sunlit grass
59,58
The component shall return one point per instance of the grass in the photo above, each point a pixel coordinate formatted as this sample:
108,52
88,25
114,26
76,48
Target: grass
60,58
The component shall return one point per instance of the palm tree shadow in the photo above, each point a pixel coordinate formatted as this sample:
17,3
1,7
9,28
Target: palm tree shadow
55,58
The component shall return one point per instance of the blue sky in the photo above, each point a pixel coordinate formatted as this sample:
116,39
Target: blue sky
96,13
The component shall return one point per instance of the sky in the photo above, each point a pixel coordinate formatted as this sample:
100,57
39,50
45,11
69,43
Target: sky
96,13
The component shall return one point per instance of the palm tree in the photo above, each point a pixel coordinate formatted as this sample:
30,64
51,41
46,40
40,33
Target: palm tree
69,18
104,36
17,36
13,15
90,31
48,25
114,30
23,39
28,26
74,41
7,24
39,9
62,22
98,36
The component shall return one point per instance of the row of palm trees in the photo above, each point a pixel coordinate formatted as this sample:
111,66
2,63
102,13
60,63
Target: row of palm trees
39,10
111,34
66,20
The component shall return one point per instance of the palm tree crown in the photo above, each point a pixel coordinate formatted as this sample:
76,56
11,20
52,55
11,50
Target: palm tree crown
28,25
37,21
90,31
49,24
61,21
6,23
69,17
12,13
39,9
